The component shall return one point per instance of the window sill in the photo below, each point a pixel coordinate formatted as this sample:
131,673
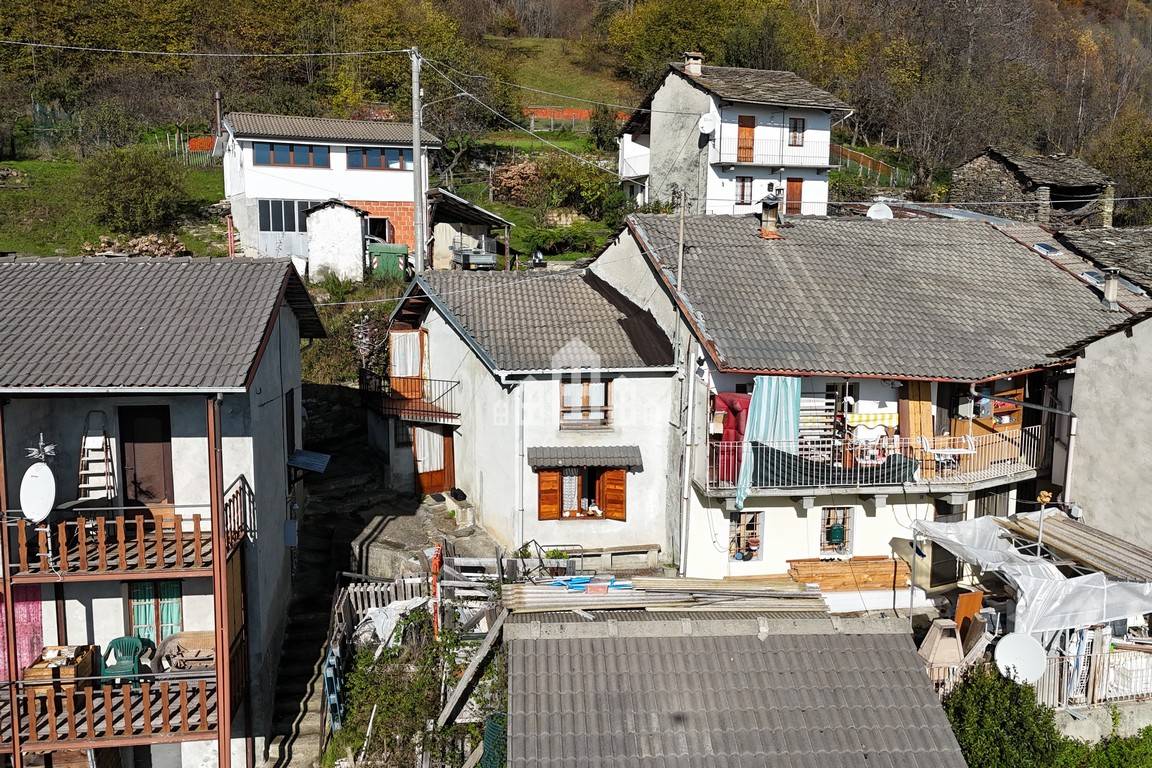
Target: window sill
590,426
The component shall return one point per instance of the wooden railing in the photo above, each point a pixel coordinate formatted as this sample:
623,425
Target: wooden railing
410,398
239,511
95,712
121,542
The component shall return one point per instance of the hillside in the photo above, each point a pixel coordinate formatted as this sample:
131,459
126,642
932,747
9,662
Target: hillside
562,66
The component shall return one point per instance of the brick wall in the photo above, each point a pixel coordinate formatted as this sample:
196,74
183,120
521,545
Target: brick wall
401,214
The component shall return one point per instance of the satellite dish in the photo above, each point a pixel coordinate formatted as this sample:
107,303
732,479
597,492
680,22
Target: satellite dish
37,492
707,124
1020,657
879,211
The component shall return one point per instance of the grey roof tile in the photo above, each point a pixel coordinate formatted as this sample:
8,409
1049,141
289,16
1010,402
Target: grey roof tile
761,86
1058,170
140,323
555,320
787,700
1128,249
263,126
929,298
585,456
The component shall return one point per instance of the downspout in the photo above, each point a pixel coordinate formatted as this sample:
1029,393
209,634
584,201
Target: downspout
521,458
686,478
1073,423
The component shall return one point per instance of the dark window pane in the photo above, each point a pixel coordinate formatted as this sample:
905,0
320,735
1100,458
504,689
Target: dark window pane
262,153
320,156
282,154
355,157
265,217
393,157
289,215
373,157
277,216
407,158
300,154
301,219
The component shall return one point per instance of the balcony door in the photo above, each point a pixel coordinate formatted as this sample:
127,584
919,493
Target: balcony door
794,197
146,456
406,362
745,138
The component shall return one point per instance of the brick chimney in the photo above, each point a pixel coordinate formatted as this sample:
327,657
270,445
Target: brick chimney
693,60
770,217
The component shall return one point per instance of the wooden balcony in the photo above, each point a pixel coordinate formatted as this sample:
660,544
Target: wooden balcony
117,543
94,713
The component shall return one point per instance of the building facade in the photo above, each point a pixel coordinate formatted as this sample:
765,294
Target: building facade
276,167
146,592
726,137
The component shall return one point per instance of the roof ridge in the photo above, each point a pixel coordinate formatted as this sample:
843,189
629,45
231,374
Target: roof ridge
317,117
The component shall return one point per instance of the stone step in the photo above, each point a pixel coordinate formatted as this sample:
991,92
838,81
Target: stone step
293,751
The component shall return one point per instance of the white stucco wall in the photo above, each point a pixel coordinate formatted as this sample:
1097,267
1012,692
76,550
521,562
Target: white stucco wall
335,240
634,154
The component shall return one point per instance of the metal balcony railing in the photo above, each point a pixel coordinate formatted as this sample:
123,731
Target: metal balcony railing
813,154
410,398
846,463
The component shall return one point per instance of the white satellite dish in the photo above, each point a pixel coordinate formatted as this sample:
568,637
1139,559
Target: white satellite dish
707,124
879,211
37,492
1020,657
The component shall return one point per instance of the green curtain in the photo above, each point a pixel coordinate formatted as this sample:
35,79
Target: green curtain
143,598
170,618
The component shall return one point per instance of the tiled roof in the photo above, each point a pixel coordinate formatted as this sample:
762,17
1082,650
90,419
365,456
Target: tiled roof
1128,249
585,456
762,86
1054,170
140,323
916,298
554,320
799,700
254,125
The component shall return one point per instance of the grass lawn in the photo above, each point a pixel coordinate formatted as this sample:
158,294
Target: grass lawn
50,211
558,66
573,142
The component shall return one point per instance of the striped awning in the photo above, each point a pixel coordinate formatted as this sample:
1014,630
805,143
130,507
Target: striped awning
553,457
873,419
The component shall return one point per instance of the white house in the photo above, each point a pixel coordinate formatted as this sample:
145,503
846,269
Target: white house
546,398
849,377
168,392
276,167
727,137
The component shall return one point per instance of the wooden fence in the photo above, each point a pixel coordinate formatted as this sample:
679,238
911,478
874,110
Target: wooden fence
191,150
866,165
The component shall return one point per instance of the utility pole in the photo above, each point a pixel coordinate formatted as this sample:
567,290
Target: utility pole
420,202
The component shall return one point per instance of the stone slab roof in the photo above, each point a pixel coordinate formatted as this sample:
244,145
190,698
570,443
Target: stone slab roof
555,320
804,700
931,298
251,125
124,324
761,86
1057,170
1128,249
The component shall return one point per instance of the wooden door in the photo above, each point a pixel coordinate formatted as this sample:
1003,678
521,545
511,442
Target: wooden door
435,458
146,456
794,197
746,138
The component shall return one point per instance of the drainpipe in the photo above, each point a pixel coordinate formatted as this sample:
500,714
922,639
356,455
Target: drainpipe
689,445
1073,423
521,459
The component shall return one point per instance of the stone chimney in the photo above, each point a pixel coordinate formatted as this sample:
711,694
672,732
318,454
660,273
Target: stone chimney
1107,205
770,217
1112,288
693,60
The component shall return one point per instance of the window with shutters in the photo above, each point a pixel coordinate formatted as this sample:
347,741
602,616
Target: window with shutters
836,530
796,131
582,493
743,190
584,403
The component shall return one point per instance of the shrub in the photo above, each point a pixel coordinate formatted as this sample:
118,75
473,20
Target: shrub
137,189
553,240
849,187
603,127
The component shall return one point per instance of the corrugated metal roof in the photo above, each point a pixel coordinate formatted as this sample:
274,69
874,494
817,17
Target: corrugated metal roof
568,617
796,700
585,456
255,125
140,323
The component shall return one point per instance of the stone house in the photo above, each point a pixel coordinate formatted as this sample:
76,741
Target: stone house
1053,189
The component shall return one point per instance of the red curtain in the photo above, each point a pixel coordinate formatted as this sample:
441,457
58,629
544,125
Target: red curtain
30,628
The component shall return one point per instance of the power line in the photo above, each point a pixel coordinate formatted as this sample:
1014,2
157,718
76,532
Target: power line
202,54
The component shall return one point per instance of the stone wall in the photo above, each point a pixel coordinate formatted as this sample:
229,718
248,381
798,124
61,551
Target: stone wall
984,178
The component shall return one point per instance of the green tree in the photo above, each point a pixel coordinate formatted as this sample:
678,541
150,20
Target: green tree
604,127
999,724
1123,150
137,189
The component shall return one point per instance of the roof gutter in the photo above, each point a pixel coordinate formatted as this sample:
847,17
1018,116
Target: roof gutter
527,372
33,391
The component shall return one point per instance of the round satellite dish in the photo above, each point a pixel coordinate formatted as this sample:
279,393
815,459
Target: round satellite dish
879,211
707,124
37,492
1020,657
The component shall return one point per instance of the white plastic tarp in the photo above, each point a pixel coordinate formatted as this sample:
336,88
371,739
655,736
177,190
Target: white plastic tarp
1047,600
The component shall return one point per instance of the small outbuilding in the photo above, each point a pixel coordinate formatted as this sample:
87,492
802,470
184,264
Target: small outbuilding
464,235
1053,189
336,241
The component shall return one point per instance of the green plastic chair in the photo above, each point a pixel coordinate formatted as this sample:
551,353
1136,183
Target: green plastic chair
125,653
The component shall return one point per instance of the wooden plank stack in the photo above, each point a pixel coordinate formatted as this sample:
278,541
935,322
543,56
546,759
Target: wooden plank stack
851,575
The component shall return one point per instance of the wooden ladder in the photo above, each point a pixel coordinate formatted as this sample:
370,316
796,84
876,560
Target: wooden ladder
97,479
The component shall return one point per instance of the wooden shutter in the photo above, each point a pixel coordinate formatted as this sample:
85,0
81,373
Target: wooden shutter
915,410
550,494
614,493
745,138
